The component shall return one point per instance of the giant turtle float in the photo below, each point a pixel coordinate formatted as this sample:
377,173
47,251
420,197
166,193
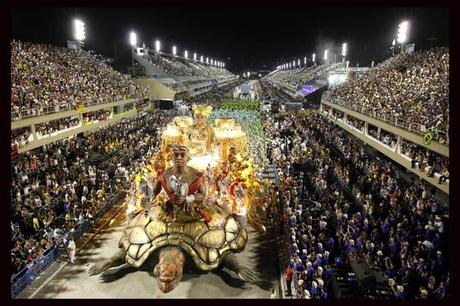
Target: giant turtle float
208,245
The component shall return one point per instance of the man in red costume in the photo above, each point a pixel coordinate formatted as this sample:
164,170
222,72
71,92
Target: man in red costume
184,185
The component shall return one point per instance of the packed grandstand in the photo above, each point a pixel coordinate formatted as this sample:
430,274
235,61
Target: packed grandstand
356,182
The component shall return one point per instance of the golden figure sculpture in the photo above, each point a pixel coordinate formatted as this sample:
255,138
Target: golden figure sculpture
200,136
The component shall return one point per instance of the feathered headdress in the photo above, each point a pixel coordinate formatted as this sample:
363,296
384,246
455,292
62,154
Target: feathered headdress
204,110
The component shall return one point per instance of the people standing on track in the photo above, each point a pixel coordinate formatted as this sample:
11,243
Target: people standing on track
71,248
288,274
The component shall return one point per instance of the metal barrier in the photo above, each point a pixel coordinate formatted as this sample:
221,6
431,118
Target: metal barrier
26,276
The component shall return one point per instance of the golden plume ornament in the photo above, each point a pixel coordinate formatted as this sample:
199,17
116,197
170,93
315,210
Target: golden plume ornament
204,110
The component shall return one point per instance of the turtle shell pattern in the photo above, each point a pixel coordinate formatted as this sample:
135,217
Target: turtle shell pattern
206,243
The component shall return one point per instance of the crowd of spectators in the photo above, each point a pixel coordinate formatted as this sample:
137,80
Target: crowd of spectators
213,97
178,67
297,77
20,138
99,115
359,210
56,187
410,88
47,128
426,160
45,77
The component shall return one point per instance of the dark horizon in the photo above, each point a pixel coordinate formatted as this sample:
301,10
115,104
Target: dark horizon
246,39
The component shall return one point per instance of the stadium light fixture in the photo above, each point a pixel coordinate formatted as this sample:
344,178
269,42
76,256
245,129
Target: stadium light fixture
133,39
174,50
298,62
201,59
79,30
313,58
402,32
133,43
293,64
157,45
207,60
344,49
186,54
194,57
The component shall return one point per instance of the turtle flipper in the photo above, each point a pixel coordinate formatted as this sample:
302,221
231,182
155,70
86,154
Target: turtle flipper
245,274
114,261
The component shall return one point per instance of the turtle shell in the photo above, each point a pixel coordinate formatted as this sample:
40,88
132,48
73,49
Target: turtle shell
206,243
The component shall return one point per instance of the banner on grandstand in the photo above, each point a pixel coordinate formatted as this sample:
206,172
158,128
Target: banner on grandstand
72,44
429,137
409,48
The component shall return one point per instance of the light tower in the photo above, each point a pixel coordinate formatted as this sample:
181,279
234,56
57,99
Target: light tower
402,33
344,51
133,43
79,32
157,45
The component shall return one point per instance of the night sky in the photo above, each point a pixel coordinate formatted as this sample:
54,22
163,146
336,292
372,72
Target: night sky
243,38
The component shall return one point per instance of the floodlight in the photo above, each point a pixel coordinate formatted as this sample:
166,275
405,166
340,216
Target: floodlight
174,50
79,30
344,49
157,45
313,57
194,57
325,55
402,32
186,54
133,39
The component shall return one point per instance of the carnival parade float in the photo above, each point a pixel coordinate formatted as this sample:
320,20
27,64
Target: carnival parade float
193,199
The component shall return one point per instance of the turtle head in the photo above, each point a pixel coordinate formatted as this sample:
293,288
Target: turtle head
169,271
169,276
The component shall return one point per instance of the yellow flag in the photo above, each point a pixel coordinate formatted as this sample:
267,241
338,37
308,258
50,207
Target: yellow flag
81,109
